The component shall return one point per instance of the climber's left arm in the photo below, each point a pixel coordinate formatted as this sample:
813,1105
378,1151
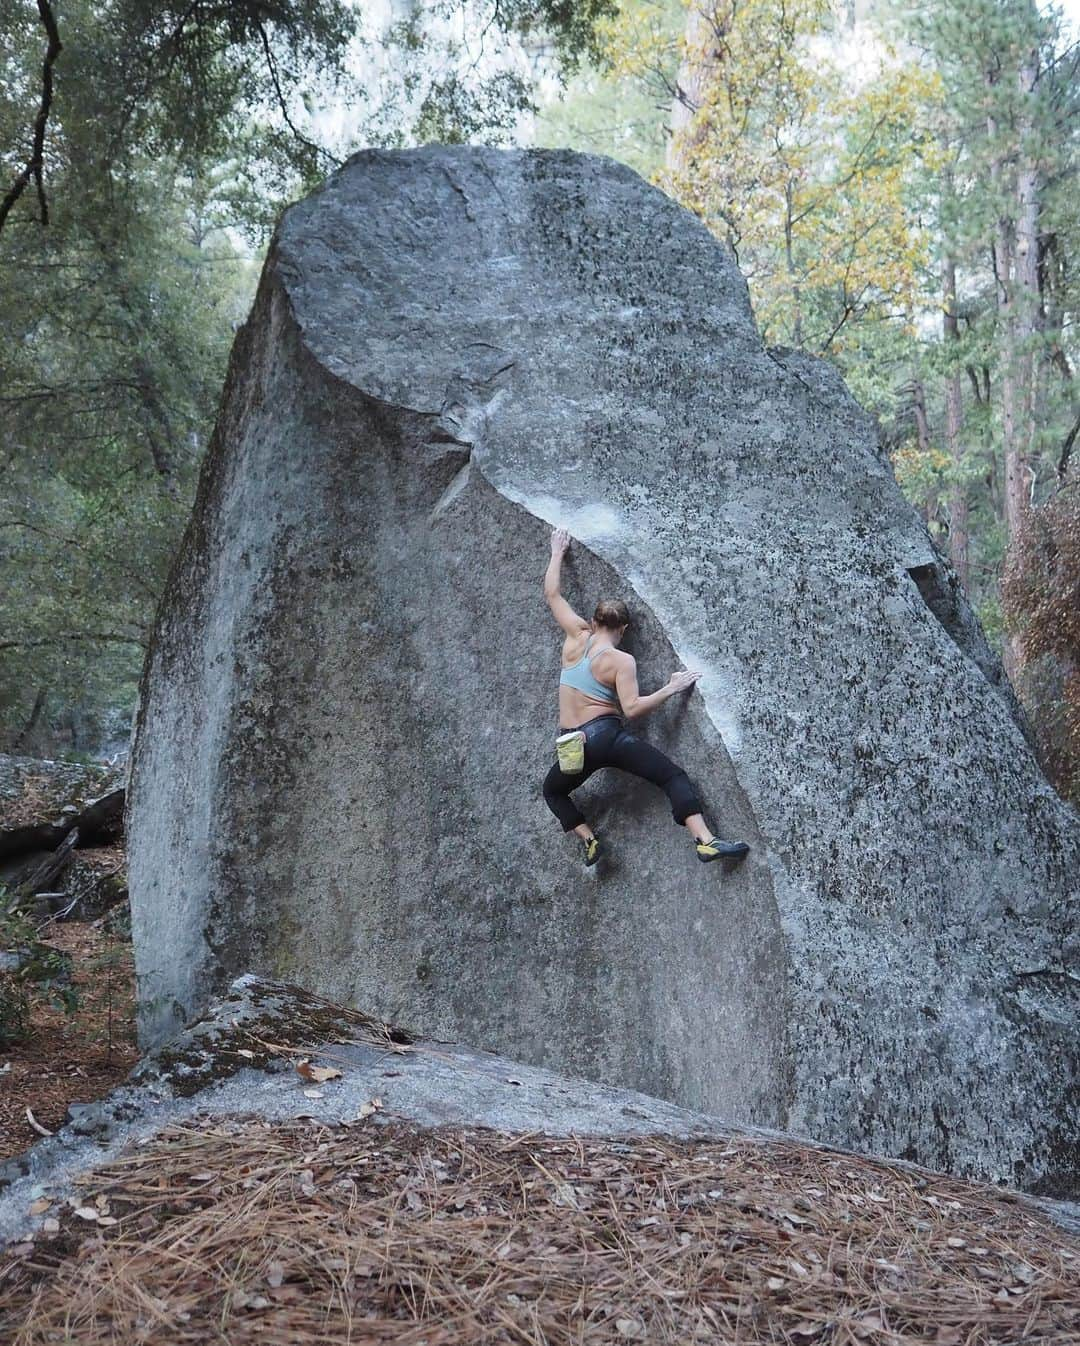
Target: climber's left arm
561,610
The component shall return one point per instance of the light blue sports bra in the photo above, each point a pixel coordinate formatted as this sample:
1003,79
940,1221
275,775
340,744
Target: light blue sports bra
580,675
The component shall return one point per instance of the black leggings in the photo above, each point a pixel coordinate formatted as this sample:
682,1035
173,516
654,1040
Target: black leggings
609,743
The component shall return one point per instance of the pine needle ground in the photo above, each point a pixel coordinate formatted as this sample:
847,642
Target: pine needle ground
236,1230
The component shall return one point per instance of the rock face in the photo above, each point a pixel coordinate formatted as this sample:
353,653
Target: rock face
349,703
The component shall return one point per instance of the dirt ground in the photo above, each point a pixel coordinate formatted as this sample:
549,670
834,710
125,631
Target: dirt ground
73,1058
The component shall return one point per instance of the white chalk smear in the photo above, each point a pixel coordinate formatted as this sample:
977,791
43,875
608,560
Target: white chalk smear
714,689
598,523
713,685
589,523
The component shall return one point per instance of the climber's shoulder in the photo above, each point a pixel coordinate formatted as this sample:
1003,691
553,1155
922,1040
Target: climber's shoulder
614,658
571,622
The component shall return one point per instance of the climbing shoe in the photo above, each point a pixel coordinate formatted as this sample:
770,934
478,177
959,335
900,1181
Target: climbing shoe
715,849
593,848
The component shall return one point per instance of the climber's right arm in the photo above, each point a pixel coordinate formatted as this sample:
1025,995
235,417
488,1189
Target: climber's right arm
633,704
561,610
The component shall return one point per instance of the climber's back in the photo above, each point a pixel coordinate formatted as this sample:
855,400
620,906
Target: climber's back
587,679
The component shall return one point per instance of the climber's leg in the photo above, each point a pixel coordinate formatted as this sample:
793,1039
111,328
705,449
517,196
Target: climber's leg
599,734
557,787
633,754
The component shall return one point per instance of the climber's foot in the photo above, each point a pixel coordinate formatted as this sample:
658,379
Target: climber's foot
593,849
715,849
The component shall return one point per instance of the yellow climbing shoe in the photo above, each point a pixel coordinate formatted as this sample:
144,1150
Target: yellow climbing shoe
592,850
715,849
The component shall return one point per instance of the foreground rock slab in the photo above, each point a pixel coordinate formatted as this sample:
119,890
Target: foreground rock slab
243,1055
485,1201
348,705
254,1051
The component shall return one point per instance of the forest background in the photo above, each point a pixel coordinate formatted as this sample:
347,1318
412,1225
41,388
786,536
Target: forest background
898,186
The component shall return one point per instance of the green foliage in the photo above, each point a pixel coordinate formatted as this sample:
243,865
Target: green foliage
574,25
118,329
116,317
175,135
453,113
617,107
43,973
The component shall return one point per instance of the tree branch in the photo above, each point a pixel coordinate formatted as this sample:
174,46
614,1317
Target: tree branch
104,637
1067,448
320,152
80,546
37,154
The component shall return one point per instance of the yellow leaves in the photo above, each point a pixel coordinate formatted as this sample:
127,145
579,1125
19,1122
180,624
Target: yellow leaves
636,40
920,472
811,146
811,173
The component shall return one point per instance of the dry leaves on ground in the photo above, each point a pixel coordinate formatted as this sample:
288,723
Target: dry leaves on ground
71,1058
235,1230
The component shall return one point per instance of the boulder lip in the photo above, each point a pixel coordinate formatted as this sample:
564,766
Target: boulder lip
428,1082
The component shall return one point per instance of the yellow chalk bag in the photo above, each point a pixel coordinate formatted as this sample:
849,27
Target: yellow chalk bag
570,750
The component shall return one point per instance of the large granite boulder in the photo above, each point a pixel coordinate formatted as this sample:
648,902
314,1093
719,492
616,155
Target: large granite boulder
349,702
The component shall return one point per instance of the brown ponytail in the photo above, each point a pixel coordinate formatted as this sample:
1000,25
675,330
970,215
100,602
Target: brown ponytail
611,614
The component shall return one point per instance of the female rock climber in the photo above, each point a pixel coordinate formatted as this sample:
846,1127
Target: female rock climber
595,675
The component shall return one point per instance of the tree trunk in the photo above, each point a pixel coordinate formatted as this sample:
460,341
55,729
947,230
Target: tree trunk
930,507
23,737
52,867
1018,275
789,262
954,421
1015,483
690,85
1027,262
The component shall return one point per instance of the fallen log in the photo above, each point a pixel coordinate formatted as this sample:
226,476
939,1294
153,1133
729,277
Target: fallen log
52,867
99,816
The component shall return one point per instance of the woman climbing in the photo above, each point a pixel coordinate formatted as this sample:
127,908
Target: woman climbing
597,675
